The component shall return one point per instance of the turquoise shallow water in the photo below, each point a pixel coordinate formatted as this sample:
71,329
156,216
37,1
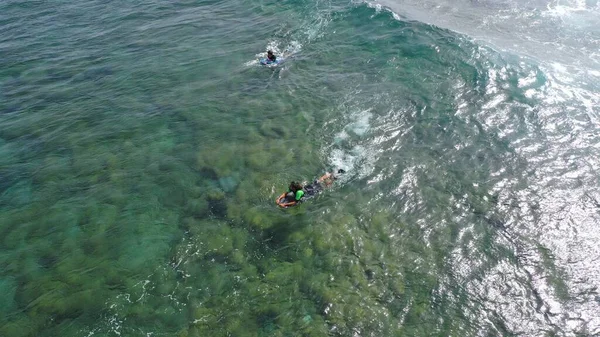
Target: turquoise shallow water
142,148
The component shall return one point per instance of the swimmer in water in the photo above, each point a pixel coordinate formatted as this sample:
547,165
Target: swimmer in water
270,56
296,192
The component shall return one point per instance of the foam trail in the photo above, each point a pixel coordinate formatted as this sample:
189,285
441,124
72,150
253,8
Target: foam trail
356,158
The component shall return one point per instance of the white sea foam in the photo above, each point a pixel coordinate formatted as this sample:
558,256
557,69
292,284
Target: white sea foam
566,8
356,158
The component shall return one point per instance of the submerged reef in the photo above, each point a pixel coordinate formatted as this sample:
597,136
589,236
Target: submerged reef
185,240
166,233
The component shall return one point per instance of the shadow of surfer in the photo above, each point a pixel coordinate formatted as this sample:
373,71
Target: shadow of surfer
297,193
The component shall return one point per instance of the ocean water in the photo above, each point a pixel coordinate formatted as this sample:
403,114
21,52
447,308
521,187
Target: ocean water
142,147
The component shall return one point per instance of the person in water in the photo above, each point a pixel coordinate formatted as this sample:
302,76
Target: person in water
270,56
296,192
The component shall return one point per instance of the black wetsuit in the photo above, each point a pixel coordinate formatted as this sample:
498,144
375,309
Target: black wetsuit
313,189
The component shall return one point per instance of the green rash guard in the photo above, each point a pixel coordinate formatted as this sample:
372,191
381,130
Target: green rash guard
299,194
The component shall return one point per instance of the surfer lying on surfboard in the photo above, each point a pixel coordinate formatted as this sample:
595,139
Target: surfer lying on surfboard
297,193
271,60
